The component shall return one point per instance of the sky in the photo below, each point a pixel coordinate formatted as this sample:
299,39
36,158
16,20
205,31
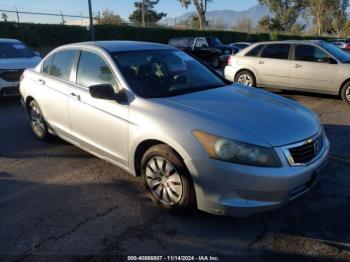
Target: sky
122,7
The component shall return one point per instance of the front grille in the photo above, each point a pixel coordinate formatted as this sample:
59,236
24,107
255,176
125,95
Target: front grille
11,75
306,152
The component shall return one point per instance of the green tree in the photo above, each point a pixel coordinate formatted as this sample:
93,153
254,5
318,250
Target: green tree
341,17
264,24
329,16
201,7
285,13
108,17
151,16
194,20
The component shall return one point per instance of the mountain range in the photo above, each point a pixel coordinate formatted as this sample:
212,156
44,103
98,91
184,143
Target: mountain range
230,18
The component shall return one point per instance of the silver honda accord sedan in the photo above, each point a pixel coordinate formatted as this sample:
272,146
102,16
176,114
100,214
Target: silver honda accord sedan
196,140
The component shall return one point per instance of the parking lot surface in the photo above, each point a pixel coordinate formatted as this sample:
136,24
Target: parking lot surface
60,203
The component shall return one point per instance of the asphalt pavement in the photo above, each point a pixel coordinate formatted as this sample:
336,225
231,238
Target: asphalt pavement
59,203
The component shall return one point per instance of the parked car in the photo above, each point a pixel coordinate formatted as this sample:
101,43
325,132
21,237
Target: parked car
341,43
208,49
241,45
196,139
313,66
15,56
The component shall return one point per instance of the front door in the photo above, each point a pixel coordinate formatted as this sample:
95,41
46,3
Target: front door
101,125
313,69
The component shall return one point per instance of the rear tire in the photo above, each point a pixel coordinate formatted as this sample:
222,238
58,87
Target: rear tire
215,61
246,77
37,122
167,180
345,92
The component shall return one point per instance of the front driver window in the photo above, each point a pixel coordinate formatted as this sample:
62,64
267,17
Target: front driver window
93,70
310,53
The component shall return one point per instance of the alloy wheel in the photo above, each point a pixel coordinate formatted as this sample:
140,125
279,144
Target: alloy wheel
245,79
164,181
347,93
37,121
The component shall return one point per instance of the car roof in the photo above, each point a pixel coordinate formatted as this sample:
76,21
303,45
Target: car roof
316,42
121,46
9,40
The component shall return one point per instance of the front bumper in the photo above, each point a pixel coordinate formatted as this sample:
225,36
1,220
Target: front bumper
231,189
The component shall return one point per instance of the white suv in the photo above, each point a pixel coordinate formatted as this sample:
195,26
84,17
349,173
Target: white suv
15,56
313,66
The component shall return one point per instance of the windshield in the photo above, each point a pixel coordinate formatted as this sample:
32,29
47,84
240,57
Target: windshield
164,73
216,41
15,50
341,55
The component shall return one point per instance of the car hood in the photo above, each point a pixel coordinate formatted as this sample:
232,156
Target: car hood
19,63
276,120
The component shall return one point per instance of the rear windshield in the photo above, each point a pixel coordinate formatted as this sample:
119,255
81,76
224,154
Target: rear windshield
180,42
15,50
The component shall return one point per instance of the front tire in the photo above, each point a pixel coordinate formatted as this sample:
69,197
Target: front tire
37,121
345,93
245,77
167,179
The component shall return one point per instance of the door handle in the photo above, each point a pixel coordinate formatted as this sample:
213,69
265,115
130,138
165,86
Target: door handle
41,81
297,66
74,95
261,62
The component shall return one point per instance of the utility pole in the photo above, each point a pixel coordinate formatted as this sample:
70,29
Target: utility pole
143,13
91,22
17,14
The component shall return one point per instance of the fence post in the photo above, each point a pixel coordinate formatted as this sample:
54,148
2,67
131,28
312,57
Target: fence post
63,22
17,14
91,22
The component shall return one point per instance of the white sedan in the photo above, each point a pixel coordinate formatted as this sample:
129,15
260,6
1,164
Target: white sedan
15,56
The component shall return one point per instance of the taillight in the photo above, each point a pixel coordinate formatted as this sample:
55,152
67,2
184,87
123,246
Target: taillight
230,60
347,46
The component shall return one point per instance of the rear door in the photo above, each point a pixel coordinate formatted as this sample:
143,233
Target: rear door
273,65
312,69
101,125
57,81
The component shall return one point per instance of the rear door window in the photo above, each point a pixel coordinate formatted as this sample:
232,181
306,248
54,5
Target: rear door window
61,65
276,51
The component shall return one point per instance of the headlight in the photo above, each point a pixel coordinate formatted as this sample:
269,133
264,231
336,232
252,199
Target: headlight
237,152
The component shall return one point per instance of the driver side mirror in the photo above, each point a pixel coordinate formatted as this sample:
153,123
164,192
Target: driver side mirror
106,92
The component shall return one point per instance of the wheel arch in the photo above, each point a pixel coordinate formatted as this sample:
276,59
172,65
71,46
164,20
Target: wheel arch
143,147
245,69
27,102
